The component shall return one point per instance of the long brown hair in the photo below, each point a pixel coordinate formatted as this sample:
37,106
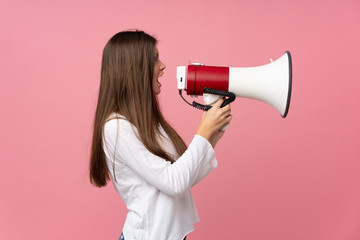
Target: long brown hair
126,88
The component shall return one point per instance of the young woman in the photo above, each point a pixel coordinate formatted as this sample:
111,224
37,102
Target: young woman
151,167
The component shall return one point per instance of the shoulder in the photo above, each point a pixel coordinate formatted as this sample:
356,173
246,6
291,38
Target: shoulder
117,123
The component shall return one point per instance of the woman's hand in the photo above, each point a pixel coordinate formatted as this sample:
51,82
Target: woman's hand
213,120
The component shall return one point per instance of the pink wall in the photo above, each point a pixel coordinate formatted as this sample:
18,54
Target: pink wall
278,179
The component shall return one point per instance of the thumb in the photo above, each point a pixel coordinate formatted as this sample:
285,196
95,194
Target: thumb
219,102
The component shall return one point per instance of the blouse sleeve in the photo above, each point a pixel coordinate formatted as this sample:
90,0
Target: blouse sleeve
172,179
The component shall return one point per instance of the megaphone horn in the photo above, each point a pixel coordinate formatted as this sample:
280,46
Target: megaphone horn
270,83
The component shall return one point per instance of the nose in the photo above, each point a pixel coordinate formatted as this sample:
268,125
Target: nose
162,66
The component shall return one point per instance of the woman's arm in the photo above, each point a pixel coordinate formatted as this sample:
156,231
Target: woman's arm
173,179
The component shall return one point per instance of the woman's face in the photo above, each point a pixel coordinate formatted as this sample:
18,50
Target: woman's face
158,72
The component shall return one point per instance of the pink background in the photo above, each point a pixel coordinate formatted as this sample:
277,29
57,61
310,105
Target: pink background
278,179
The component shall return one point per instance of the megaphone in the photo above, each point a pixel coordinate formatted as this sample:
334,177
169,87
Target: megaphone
270,83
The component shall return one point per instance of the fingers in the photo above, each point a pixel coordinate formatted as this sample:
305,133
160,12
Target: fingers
225,112
214,119
228,118
218,103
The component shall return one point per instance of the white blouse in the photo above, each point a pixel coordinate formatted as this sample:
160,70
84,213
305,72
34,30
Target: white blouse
156,192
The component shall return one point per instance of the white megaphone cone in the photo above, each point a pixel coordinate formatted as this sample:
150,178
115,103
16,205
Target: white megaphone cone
270,83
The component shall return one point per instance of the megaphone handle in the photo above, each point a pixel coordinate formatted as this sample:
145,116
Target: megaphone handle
211,99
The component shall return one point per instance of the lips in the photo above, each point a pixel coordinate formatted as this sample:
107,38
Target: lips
162,73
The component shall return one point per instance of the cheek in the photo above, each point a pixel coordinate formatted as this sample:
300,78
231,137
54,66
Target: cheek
156,71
